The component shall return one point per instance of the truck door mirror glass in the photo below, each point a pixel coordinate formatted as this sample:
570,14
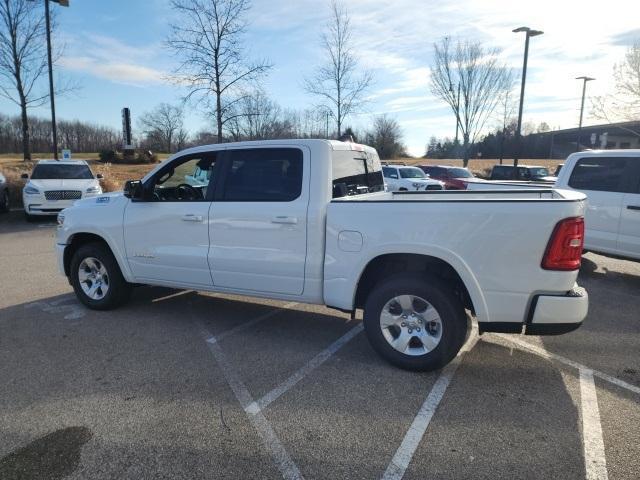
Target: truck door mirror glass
133,189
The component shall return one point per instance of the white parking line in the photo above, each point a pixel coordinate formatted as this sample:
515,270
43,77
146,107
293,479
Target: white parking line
595,461
285,464
250,323
559,358
259,405
402,458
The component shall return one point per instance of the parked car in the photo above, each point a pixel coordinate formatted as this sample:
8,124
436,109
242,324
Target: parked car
611,180
309,221
55,185
454,178
401,178
4,194
522,172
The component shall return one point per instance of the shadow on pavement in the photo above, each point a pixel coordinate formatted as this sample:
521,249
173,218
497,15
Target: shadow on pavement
51,457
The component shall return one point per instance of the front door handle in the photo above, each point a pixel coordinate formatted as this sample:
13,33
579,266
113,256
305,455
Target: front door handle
190,217
633,207
284,219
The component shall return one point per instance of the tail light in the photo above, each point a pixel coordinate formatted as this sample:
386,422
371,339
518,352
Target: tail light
564,250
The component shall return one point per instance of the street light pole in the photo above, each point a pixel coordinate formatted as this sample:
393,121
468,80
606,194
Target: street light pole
54,131
529,33
51,97
584,90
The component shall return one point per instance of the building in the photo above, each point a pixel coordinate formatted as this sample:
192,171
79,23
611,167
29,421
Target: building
608,136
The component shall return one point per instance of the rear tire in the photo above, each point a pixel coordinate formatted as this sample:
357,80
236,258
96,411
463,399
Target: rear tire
96,278
424,333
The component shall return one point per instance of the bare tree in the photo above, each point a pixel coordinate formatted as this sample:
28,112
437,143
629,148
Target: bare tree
23,59
206,37
624,103
163,126
482,78
386,137
340,83
506,109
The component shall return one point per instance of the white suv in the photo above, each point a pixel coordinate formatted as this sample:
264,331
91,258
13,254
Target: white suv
55,185
401,178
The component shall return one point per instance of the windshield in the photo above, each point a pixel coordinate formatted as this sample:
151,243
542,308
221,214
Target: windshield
460,173
412,172
539,172
61,172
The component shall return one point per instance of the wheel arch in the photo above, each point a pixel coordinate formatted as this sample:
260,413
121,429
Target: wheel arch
453,272
78,239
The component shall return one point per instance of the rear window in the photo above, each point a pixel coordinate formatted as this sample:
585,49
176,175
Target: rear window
51,171
435,171
604,174
355,173
502,173
264,175
539,172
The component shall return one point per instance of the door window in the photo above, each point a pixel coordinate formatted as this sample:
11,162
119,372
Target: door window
604,174
184,180
263,175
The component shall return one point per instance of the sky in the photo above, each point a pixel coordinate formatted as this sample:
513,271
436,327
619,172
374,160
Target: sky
115,52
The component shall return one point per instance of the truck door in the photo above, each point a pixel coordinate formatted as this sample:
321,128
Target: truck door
258,221
602,179
166,232
629,229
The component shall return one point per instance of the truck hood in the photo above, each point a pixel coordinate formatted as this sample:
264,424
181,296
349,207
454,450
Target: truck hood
101,200
59,184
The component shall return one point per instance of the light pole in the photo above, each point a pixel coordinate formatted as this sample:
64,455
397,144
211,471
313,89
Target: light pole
529,33
62,3
584,90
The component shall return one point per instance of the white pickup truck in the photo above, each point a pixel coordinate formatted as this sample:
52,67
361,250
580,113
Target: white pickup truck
310,221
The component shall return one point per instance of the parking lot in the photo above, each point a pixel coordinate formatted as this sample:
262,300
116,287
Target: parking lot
180,384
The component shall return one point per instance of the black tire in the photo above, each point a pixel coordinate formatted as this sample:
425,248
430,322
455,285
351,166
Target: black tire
435,291
4,202
119,290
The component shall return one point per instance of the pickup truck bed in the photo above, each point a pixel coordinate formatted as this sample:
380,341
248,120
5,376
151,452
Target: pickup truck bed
485,236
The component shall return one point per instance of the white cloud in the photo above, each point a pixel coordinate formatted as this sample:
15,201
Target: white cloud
111,59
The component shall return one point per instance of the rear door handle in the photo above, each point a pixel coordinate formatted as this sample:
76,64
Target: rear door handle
190,217
633,207
285,219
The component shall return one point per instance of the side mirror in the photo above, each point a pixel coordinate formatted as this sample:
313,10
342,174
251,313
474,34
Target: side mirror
99,176
24,176
133,189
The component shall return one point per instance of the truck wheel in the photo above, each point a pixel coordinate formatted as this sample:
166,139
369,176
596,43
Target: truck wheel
96,278
415,322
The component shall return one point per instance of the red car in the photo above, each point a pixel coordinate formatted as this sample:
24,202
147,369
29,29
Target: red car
454,178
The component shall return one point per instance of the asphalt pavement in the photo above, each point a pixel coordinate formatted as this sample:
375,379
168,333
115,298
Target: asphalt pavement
181,384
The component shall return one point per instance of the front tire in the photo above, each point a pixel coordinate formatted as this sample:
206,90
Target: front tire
415,322
96,278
